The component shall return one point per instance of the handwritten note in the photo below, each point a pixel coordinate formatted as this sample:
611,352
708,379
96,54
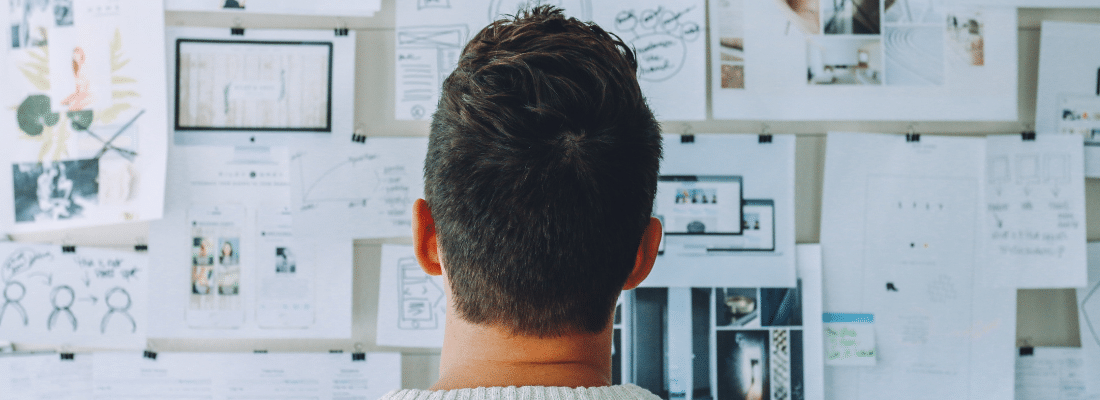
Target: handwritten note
1035,212
849,339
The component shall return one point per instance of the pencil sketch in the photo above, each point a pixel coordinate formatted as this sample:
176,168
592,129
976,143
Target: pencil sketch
118,302
1089,306
63,306
660,37
425,56
576,8
420,298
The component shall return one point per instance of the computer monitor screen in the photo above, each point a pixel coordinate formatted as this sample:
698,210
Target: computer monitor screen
699,205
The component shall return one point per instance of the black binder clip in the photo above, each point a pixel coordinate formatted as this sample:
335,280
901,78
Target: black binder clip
358,355
912,137
341,31
67,356
336,351
687,138
259,351
1027,351
236,31
141,247
68,249
1028,136
765,138
152,355
357,138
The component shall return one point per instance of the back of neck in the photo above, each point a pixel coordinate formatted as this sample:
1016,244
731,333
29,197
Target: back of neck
487,356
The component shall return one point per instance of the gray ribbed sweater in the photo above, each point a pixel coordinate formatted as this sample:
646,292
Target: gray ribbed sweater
618,392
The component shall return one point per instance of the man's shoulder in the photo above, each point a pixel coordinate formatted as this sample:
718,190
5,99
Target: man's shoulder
615,392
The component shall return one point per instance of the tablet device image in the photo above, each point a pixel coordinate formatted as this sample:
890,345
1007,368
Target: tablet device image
758,227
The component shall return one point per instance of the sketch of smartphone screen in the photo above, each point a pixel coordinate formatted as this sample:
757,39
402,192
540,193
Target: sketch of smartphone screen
697,205
215,283
758,227
285,295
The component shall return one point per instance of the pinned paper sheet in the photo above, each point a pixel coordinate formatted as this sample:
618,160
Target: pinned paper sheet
411,304
46,376
849,339
901,228
1034,227
76,296
726,203
1088,316
1067,98
1051,373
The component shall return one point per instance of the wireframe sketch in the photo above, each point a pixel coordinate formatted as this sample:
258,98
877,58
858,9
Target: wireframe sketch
425,56
731,41
54,191
235,85
118,302
851,16
965,39
420,299
580,9
422,4
1089,304
62,297
845,61
914,55
660,37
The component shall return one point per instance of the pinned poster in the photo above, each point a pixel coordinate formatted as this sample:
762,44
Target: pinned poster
83,114
364,8
849,340
903,244
726,203
230,262
862,60
74,296
1068,96
1088,317
412,307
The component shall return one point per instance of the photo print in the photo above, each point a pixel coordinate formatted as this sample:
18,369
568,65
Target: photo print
32,19
844,60
54,191
284,261
914,55
709,343
912,12
229,272
965,38
850,17
202,263
234,4
731,42
215,266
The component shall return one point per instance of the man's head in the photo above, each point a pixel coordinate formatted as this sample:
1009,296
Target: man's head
540,176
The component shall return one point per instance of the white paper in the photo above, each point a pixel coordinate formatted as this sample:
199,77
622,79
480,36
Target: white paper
354,190
671,47
84,137
668,36
411,304
900,233
1034,228
45,376
245,375
745,236
726,342
1088,317
361,8
88,298
915,60
230,264
1034,3
1068,95
1050,373
262,87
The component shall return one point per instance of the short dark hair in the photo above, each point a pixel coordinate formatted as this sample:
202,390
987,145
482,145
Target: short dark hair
540,175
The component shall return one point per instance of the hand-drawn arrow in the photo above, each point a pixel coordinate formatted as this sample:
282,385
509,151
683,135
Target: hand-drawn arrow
90,298
49,277
87,280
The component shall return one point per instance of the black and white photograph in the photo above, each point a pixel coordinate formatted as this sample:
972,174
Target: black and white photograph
30,20
743,365
844,61
63,12
55,191
233,4
850,17
671,342
284,261
781,306
914,55
737,307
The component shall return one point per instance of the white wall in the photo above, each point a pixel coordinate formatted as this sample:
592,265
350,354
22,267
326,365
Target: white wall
1045,317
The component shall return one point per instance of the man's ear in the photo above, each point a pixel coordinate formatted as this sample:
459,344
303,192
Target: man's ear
647,254
425,243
